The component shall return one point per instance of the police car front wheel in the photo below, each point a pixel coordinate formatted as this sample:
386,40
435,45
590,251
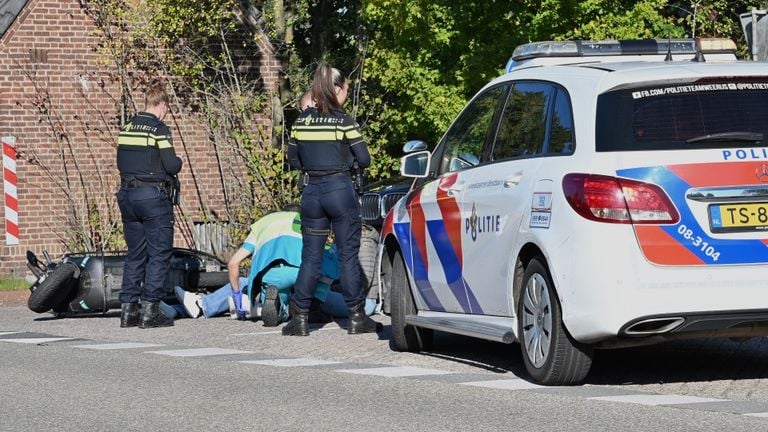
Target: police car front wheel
405,337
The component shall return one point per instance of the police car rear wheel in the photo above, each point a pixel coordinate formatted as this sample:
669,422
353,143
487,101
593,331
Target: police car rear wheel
405,337
550,355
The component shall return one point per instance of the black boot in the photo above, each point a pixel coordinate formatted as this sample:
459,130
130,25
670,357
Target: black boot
316,314
270,311
152,317
299,323
129,315
360,323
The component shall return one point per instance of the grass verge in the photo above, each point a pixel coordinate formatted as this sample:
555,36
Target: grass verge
13,284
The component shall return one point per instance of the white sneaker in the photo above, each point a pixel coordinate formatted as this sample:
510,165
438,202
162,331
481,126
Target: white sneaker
232,311
246,301
190,301
256,310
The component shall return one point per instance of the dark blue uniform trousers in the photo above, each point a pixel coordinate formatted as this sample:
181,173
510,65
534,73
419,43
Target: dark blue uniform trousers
148,227
327,202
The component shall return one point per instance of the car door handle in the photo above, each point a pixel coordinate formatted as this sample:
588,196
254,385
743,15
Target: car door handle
513,180
453,190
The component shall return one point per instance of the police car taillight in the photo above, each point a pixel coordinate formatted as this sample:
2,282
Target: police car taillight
614,200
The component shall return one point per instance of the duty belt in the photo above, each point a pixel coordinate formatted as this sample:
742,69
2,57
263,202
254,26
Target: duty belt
136,183
319,174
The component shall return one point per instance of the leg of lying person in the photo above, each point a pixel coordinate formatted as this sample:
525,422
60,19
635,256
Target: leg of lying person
208,305
217,302
168,310
334,305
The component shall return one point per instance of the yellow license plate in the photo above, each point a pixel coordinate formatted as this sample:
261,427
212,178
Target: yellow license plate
738,217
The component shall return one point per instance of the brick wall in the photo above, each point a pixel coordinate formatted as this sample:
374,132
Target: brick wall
48,60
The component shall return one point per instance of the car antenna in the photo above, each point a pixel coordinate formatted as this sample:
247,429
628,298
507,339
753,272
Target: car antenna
699,57
668,58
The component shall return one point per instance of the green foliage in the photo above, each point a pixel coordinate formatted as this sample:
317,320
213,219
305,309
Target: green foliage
601,19
425,59
413,65
211,56
88,204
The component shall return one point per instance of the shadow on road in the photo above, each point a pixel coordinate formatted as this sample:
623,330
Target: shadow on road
671,362
482,354
682,361
51,317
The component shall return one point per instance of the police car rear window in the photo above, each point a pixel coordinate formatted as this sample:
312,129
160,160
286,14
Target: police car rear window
683,116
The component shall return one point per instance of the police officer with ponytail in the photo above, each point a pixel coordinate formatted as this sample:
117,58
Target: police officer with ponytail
147,163
325,143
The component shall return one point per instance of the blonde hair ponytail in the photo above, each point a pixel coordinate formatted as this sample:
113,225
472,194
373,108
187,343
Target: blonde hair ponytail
324,83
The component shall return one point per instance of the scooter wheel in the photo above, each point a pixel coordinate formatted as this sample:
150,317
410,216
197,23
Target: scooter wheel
54,288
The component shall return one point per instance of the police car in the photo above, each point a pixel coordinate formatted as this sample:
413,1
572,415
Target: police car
600,194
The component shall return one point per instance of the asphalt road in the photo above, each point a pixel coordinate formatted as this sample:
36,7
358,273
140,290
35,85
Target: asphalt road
86,373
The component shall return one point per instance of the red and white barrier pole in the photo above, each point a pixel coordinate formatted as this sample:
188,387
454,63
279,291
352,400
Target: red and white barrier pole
9,189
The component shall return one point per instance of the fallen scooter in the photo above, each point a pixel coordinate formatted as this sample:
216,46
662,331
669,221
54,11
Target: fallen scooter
90,282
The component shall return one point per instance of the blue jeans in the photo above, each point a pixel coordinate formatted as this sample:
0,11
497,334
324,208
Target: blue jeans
215,303
334,305
172,311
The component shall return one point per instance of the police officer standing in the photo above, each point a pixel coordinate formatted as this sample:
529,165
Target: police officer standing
147,162
325,142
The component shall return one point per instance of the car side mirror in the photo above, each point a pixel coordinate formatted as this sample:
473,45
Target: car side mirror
414,146
415,164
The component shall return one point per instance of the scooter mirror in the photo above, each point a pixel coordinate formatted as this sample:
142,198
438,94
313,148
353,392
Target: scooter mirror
32,259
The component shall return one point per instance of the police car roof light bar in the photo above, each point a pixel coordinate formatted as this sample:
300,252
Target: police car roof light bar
620,47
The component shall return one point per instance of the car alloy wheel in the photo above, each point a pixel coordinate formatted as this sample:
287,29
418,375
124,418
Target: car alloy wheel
537,320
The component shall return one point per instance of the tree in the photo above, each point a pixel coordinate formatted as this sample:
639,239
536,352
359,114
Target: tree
425,59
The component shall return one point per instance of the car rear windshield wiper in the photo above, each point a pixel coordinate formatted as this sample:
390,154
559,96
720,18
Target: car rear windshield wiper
729,136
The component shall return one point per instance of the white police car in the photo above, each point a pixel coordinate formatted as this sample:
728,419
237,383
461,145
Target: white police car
599,195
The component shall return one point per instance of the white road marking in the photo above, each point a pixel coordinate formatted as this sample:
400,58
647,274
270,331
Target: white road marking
395,371
291,362
199,352
651,399
510,384
389,371
35,340
117,346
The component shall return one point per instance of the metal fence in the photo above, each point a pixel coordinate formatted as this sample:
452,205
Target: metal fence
214,238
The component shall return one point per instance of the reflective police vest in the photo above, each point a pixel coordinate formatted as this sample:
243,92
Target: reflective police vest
324,141
139,145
